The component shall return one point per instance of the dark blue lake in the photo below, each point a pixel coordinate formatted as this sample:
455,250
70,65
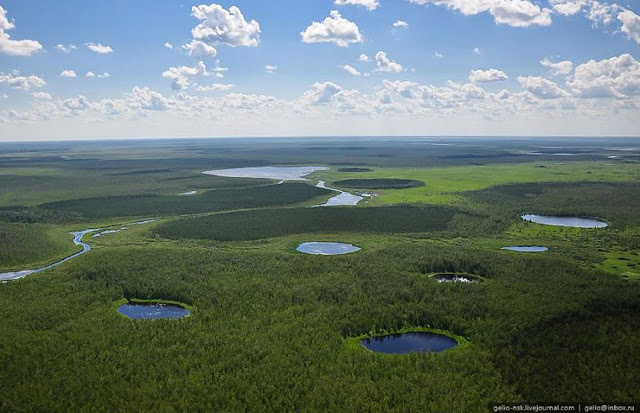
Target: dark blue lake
418,342
152,311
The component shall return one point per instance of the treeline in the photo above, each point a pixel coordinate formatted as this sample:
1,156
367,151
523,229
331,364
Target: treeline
249,225
380,183
215,200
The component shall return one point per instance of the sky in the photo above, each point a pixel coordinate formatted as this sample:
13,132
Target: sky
166,69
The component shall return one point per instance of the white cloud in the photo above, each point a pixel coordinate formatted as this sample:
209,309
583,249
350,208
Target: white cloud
14,80
68,73
364,58
99,76
602,13
438,55
12,47
560,68
630,24
476,51
228,27
322,92
99,48
542,88
401,24
65,49
515,13
484,76
386,65
168,45
41,95
180,75
215,87
270,68
369,4
352,70
568,7
333,29
199,49
617,77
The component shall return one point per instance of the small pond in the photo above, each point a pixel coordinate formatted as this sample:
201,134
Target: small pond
574,222
282,173
455,278
152,311
531,248
327,248
418,342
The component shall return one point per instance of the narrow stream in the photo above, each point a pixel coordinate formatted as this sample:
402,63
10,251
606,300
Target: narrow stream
77,240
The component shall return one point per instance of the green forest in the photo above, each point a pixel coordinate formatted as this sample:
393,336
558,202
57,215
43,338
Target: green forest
273,329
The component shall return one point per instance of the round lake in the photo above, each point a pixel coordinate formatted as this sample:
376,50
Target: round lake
327,248
531,248
152,311
574,222
418,342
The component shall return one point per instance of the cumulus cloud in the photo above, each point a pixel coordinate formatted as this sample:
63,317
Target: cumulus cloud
630,24
322,92
65,49
352,70
400,24
168,45
386,65
602,13
99,48
68,73
617,77
199,49
476,51
542,88
438,55
568,7
270,68
560,68
14,80
369,4
215,87
99,76
224,27
41,96
12,47
484,76
515,13
180,75
333,29
364,58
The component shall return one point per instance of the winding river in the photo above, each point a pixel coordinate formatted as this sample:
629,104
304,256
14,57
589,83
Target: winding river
77,240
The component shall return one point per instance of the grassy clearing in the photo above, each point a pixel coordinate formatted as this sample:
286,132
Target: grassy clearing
442,183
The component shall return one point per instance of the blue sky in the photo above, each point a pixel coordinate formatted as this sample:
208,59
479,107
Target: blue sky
447,67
